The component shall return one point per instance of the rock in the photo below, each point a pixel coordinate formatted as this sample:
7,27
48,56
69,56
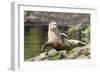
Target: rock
72,54
89,56
82,57
52,52
30,59
46,60
85,50
41,56
76,52
63,54
53,55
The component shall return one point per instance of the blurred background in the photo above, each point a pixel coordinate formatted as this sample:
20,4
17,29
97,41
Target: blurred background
75,25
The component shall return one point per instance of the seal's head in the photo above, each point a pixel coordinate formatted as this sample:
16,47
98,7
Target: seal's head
53,25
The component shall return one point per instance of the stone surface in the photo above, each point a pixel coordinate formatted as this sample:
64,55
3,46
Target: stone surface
52,52
75,53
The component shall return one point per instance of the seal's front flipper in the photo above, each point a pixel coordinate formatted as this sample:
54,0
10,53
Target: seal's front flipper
64,35
46,44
